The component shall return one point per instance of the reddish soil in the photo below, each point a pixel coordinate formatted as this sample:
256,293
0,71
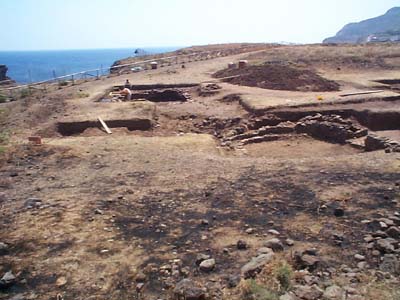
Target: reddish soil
278,77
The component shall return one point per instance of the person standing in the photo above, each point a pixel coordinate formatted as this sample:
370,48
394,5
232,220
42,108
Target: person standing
127,84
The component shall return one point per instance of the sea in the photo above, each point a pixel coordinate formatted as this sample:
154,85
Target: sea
34,66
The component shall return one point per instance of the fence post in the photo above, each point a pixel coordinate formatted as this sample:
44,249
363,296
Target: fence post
72,79
97,74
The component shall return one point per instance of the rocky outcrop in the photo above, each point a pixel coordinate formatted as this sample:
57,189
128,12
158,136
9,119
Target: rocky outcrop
384,28
3,72
3,75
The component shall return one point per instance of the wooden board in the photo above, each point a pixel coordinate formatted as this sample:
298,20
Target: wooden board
361,93
104,125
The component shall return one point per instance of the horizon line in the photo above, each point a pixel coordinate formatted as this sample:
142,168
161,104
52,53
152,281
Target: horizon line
80,49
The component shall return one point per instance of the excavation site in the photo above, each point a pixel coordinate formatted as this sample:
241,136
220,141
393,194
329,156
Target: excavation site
245,173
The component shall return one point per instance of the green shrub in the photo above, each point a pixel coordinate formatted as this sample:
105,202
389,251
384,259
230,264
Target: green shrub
3,98
63,83
284,275
254,291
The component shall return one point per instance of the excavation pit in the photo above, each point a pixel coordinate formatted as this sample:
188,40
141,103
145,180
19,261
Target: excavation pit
130,115
152,92
76,128
165,95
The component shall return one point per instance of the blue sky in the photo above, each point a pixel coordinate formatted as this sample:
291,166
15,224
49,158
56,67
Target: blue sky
81,24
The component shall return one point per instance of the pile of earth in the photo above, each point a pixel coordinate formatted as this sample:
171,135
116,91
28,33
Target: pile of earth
278,77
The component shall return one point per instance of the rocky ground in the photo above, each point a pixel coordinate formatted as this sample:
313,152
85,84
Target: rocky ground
212,198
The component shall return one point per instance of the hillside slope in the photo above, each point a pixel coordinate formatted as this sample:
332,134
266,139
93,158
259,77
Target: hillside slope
387,25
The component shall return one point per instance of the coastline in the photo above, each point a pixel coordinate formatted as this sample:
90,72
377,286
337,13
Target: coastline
32,66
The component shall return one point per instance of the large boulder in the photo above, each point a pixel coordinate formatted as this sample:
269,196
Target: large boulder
187,289
252,268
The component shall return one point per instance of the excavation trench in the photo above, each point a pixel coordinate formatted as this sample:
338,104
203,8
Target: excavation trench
74,128
373,120
269,126
141,87
151,92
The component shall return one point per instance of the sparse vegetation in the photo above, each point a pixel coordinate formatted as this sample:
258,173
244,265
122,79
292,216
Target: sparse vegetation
4,134
25,93
284,275
3,98
4,137
251,290
381,290
83,95
274,280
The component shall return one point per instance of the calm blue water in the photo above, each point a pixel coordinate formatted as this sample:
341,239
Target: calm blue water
26,66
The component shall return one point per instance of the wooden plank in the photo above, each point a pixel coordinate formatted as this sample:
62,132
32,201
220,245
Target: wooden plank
361,93
104,125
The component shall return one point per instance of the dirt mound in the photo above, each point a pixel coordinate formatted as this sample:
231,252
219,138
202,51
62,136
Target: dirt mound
278,77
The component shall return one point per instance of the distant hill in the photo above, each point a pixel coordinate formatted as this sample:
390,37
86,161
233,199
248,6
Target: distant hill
384,28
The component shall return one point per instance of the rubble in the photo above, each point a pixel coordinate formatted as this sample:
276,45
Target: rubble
331,128
209,89
374,142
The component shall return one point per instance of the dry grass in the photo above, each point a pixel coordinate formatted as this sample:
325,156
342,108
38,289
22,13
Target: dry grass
382,291
4,134
251,290
82,95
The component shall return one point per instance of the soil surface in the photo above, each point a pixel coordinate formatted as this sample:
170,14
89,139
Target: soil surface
297,198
